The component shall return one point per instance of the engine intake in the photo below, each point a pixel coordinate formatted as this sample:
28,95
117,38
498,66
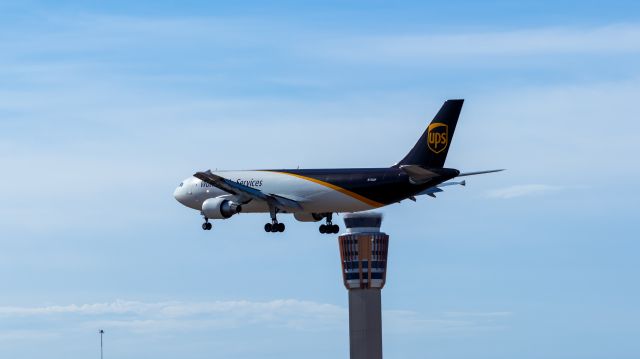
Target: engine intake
220,208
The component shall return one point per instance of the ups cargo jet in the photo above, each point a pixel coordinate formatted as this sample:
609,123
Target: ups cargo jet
316,194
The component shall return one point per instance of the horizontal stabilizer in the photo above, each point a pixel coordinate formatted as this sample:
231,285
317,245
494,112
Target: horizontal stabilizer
478,172
431,192
453,183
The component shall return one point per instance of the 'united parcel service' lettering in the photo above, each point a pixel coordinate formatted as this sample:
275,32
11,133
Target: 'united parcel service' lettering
250,183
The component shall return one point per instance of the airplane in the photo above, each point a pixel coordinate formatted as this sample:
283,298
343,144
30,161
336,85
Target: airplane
312,195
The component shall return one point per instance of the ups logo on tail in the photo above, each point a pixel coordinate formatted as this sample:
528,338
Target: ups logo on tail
437,137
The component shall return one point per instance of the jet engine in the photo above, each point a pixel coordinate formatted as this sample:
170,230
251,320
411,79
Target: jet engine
220,208
308,217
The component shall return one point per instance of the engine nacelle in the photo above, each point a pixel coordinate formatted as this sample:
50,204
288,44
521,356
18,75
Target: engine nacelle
307,217
220,208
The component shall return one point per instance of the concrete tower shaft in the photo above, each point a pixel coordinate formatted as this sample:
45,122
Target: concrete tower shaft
363,256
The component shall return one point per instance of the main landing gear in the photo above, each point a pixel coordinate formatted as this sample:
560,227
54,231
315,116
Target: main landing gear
274,226
329,227
206,226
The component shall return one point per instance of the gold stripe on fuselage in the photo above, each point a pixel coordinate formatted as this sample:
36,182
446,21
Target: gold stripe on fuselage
335,188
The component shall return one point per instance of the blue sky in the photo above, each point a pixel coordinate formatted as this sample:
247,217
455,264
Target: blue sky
106,107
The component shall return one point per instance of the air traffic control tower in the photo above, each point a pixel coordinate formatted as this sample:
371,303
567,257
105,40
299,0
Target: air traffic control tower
363,255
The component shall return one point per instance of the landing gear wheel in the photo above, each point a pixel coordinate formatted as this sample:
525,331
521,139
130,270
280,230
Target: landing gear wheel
274,226
206,226
329,228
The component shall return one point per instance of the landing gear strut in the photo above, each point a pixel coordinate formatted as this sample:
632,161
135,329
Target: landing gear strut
274,226
329,227
206,225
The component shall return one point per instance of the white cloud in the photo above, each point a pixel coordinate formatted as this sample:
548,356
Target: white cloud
291,314
78,35
173,308
143,316
25,334
522,190
616,38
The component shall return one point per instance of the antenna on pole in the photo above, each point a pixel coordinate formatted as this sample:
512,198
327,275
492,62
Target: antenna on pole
101,332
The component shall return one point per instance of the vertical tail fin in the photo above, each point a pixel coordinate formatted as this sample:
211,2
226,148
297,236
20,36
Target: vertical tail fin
432,147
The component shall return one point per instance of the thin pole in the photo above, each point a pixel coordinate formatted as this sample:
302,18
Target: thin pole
101,332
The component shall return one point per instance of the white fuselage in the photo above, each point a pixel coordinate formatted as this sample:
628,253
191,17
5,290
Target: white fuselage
314,196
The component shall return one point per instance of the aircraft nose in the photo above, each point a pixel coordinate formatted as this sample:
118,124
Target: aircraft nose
180,195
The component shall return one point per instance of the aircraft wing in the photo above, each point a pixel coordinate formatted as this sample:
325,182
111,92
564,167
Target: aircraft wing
245,192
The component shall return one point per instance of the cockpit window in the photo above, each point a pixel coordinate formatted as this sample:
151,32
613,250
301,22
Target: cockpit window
181,183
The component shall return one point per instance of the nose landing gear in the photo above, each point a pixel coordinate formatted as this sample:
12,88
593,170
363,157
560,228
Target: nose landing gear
206,226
